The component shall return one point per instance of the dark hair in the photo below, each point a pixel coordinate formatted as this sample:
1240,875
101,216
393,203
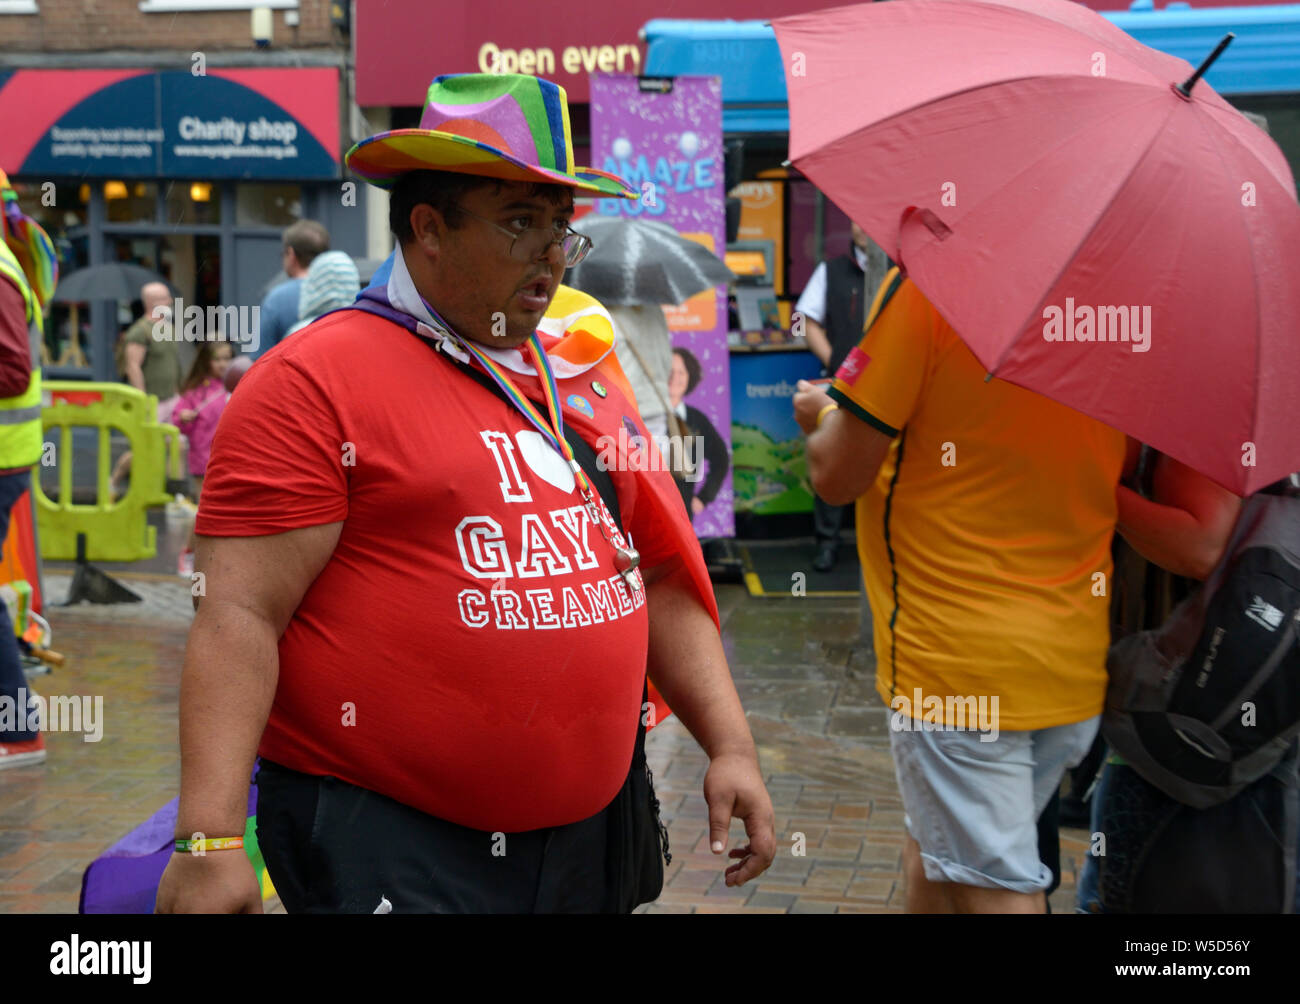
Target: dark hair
307,238
442,190
694,372
201,368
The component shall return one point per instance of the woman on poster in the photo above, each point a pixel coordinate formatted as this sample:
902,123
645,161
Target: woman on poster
684,378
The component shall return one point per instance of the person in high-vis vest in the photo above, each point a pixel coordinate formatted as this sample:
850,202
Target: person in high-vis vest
28,273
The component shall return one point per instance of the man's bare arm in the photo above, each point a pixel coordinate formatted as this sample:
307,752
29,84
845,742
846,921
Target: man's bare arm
1185,528
134,365
251,586
687,664
844,453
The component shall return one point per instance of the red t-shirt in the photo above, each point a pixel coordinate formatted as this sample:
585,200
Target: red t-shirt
469,648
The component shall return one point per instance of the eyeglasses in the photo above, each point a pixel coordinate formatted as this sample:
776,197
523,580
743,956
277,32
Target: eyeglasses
531,243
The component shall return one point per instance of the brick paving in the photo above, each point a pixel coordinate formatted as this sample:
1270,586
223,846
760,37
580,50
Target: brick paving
802,673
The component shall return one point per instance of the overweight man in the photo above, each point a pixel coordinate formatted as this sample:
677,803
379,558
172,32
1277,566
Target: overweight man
421,609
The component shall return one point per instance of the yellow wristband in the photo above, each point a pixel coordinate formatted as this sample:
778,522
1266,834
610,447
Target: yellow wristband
210,844
822,414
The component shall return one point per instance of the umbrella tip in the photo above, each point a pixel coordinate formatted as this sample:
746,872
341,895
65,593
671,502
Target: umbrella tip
1185,88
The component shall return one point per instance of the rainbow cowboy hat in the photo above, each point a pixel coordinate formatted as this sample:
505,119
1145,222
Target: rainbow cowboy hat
509,126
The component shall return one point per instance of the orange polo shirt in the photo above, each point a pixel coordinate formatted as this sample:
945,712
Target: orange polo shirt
985,539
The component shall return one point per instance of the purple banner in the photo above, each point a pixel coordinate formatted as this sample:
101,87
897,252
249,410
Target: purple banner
668,144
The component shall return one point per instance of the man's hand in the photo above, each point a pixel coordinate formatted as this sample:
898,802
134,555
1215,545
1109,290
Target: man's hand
215,882
688,666
734,786
697,507
844,453
809,400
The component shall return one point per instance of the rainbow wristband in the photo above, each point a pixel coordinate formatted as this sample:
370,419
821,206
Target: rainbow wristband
210,844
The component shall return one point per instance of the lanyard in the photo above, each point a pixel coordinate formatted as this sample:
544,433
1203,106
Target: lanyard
627,558
552,431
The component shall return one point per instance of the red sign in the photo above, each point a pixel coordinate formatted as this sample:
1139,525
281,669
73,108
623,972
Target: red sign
80,398
401,45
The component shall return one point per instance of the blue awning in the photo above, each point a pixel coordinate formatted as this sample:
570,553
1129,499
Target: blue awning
1263,59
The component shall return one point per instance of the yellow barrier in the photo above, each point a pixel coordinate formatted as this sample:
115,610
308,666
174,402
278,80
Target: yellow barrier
115,531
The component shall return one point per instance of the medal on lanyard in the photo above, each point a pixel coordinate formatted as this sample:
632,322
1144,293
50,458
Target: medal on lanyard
626,559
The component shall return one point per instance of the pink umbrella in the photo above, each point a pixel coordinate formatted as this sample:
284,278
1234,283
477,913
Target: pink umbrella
1095,232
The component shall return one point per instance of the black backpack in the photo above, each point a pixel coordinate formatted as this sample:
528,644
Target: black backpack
1210,701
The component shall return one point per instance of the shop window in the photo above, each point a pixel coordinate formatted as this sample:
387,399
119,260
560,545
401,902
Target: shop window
127,201
191,202
267,205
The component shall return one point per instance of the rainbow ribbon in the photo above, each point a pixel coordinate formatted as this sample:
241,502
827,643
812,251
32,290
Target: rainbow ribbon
552,431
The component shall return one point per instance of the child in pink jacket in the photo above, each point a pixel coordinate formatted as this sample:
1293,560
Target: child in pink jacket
203,397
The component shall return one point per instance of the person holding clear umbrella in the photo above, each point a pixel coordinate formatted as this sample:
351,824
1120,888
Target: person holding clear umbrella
634,266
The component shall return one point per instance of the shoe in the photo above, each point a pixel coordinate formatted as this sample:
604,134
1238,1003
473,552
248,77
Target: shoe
23,754
825,559
185,564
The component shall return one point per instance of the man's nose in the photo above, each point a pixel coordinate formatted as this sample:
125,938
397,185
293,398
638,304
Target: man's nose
555,251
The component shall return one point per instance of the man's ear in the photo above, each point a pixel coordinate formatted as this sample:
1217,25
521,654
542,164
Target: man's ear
427,228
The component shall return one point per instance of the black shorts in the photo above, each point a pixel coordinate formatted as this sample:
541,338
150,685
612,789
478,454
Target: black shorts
332,847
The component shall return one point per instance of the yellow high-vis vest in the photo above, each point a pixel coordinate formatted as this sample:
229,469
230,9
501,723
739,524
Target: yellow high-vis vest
21,440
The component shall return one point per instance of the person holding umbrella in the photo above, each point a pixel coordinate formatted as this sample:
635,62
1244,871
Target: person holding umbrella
986,513
634,267
1073,215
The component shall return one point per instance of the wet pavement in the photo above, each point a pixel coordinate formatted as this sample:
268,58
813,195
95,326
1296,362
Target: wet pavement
803,674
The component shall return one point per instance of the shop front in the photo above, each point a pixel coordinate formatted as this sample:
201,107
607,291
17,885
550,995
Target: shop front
190,175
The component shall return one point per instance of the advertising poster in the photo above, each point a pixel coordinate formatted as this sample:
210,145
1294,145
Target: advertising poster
762,218
768,460
665,137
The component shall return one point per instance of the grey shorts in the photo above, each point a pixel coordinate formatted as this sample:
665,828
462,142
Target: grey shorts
973,806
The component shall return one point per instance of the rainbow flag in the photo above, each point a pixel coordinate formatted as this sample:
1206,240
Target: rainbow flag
30,244
124,879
